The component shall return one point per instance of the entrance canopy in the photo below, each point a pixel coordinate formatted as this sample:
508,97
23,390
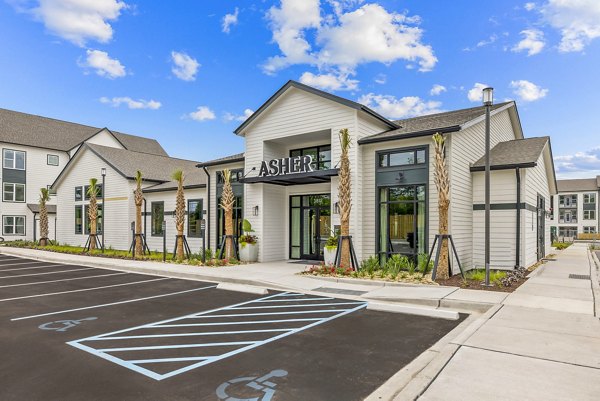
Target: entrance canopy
313,177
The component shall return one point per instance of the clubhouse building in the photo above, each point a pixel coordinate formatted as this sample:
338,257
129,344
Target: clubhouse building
286,180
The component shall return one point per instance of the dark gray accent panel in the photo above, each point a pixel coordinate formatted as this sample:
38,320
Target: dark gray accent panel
14,176
589,206
407,176
505,206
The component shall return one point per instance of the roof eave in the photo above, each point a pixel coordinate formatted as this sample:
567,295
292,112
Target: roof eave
416,134
504,166
221,162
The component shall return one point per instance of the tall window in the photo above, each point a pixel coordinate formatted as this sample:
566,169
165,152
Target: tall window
13,225
194,217
158,215
98,219
79,219
238,218
13,192
321,156
14,159
78,193
402,220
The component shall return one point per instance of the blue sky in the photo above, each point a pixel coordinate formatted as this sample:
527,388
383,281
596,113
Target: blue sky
187,72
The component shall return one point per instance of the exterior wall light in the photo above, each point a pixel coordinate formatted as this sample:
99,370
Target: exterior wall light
255,210
336,208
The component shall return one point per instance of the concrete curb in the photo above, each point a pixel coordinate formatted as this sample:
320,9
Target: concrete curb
413,310
374,283
250,289
595,283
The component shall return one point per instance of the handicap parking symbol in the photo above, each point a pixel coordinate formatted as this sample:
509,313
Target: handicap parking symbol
63,325
260,384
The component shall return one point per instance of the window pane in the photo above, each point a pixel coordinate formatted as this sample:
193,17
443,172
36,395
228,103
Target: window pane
295,153
78,193
402,193
20,193
325,154
313,153
20,160
53,160
20,225
9,194
420,156
402,159
194,218
9,159
78,220
158,214
383,161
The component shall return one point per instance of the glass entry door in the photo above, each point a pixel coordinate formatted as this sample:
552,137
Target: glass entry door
310,226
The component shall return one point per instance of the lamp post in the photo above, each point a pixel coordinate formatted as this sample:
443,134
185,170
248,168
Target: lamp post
103,172
488,99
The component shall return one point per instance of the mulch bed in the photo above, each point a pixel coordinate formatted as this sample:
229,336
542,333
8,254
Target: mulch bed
457,281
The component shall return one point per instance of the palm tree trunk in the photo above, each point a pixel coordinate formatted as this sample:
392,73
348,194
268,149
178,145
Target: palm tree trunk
442,183
345,199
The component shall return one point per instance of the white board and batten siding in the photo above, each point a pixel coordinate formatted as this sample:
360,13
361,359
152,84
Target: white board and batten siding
38,174
464,148
293,114
155,243
119,209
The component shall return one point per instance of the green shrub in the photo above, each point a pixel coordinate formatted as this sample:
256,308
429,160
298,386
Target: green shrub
479,275
370,265
332,242
422,262
561,245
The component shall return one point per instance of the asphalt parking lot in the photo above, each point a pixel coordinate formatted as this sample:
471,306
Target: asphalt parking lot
71,332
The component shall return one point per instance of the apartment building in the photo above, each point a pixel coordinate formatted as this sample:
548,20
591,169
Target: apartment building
575,208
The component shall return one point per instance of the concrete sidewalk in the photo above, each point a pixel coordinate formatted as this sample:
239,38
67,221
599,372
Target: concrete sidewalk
284,275
541,343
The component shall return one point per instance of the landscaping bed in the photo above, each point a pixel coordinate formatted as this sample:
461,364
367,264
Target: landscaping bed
193,260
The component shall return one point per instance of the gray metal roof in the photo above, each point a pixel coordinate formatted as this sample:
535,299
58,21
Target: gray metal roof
449,121
515,153
43,132
314,91
579,185
223,160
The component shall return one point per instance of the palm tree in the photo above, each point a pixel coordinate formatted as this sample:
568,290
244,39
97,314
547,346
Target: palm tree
227,202
442,183
92,192
178,176
139,199
44,197
345,197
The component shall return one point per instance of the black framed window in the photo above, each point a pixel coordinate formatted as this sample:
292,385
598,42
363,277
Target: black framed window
78,194
13,159
157,210
13,225
589,215
13,192
402,158
52,160
87,195
79,219
321,156
98,219
236,176
194,213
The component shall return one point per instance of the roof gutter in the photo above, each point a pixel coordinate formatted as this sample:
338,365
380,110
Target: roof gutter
220,162
415,134
505,166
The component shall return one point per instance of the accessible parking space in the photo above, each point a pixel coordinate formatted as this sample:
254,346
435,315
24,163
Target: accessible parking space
98,334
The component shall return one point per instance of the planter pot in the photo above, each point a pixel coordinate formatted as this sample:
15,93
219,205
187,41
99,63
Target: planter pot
329,254
248,252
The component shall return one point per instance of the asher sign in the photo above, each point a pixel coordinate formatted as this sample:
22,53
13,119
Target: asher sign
287,165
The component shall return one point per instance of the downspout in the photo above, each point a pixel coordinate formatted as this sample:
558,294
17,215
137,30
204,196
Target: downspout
145,217
207,206
518,245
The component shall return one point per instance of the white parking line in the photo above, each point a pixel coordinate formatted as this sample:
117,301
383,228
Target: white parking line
208,333
297,300
64,279
22,263
268,313
84,289
149,347
40,274
311,319
111,304
29,268
293,306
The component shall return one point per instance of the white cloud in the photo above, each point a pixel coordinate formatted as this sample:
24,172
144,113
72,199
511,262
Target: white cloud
475,94
230,20
331,82
232,117
391,107
185,67
437,89
77,21
533,42
578,165
345,39
530,6
483,43
380,79
528,91
132,104
104,65
577,20
202,113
